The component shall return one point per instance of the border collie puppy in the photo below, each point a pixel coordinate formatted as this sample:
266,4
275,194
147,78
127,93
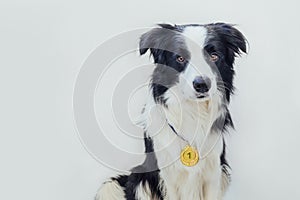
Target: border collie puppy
186,117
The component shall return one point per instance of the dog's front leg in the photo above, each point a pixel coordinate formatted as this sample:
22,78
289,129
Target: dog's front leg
212,182
212,191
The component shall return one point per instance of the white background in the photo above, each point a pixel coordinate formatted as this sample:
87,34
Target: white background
43,45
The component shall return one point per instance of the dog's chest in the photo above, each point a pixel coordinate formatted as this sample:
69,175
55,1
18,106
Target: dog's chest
182,182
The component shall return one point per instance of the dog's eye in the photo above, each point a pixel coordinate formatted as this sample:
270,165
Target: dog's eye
180,59
214,57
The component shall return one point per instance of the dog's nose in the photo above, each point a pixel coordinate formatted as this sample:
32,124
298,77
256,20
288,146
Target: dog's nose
202,84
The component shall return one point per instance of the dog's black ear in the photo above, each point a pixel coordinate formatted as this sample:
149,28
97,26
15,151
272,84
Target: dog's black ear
154,39
234,39
147,41
150,40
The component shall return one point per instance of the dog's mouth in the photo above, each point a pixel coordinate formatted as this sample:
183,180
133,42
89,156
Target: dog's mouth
201,95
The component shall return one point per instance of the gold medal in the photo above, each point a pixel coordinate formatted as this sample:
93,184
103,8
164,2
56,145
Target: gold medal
189,156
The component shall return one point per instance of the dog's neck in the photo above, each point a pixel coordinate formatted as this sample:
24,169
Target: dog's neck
193,117
187,117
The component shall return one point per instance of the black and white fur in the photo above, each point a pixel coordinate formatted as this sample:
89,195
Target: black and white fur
181,53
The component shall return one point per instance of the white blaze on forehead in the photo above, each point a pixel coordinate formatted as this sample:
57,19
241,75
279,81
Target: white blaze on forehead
197,34
195,38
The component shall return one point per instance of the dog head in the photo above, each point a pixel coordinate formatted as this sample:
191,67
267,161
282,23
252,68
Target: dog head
196,59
